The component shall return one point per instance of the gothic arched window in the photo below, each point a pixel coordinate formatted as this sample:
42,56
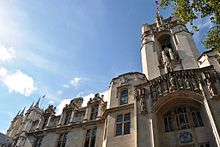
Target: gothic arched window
45,123
124,97
90,138
62,140
67,118
94,112
168,122
196,116
181,118
38,142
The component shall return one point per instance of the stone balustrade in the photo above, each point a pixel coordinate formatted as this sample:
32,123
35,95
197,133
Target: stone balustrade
188,80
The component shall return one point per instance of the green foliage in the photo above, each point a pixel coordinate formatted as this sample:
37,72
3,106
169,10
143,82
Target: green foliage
189,10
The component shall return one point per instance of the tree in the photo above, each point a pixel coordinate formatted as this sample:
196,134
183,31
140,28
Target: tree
187,11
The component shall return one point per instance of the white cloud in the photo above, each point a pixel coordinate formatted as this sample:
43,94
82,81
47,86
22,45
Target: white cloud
51,102
6,54
10,114
85,101
59,92
75,81
66,86
17,82
62,105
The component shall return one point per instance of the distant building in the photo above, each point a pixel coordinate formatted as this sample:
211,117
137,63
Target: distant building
175,102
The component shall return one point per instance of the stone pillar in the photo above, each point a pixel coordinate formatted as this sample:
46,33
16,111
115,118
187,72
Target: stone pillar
38,125
99,111
48,121
88,113
72,116
61,118
171,54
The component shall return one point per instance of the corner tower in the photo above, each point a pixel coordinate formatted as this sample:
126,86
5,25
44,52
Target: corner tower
167,46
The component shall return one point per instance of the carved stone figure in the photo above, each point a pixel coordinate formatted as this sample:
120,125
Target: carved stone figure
172,83
187,83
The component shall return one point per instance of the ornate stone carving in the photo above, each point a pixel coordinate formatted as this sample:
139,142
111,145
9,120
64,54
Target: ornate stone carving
172,83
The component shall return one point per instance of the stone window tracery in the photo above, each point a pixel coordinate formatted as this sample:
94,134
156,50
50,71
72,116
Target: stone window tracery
168,122
62,140
196,116
90,138
124,97
45,123
183,117
67,118
94,112
123,124
38,142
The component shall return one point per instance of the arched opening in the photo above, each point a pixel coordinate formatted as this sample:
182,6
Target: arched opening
167,52
182,122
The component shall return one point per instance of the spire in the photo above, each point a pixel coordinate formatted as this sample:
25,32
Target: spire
159,19
22,112
38,102
31,105
157,9
18,113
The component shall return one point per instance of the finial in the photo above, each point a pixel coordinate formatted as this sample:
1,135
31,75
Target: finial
22,112
37,103
18,113
159,19
31,105
157,8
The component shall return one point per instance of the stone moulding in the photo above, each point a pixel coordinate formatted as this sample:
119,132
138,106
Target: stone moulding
193,80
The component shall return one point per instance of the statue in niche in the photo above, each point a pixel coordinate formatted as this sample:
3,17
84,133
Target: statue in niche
195,86
172,83
187,83
180,81
143,95
159,90
167,59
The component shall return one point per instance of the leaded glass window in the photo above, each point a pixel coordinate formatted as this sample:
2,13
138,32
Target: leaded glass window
183,117
123,124
94,112
62,140
90,138
38,142
67,118
124,97
168,122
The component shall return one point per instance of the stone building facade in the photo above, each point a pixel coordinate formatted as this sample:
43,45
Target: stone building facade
175,102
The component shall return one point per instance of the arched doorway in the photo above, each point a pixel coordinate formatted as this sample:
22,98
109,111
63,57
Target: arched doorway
182,122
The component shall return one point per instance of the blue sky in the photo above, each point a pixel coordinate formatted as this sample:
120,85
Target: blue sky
68,49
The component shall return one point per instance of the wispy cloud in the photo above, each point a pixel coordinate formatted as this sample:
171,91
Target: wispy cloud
51,102
6,54
59,92
66,86
75,81
17,82
10,114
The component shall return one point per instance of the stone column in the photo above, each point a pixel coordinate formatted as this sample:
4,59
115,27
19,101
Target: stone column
72,116
61,118
48,121
88,113
38,125
99,111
